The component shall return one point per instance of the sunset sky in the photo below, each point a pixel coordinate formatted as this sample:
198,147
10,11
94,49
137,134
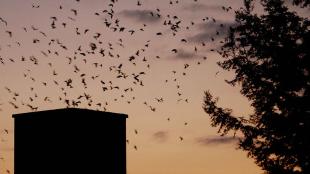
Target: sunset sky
149,59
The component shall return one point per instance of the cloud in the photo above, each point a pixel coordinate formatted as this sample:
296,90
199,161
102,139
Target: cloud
160,136
141,15
211,30
194,7
201,37
183,54
216,140
186,54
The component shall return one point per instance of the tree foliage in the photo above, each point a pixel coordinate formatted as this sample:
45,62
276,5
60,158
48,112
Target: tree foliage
269,54
302,3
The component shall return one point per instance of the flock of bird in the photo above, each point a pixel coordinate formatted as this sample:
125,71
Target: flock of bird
100,56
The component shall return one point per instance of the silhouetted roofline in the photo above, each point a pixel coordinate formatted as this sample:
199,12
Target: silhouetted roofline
31,114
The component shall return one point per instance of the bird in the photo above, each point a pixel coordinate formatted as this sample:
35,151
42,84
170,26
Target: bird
183,40
4,21
9,32
14,105
139,3
186,65
6,131
159,99
174,50
131,32
74,11
35,6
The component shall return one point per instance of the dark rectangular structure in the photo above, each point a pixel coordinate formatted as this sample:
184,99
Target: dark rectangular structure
70,141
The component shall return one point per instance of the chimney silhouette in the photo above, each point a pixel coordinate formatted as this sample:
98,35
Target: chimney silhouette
70,141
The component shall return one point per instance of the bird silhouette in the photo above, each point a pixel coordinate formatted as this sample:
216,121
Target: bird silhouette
9,33
74,11
174,50
6,131
4,21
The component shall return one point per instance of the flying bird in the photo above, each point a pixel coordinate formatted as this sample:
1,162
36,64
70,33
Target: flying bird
4,21
74,11
9,32
174,50
6,131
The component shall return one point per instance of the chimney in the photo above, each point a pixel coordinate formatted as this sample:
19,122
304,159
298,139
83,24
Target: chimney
70,141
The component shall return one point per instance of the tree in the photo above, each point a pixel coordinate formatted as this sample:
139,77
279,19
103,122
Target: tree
269,55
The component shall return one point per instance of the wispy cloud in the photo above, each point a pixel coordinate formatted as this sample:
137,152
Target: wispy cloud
187,54
141,15
183,54
213,141
194,7
211,31
160,136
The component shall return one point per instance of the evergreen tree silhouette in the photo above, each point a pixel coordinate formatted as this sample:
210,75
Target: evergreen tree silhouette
269,54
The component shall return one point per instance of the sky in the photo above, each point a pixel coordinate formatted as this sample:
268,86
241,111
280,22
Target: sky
152,60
